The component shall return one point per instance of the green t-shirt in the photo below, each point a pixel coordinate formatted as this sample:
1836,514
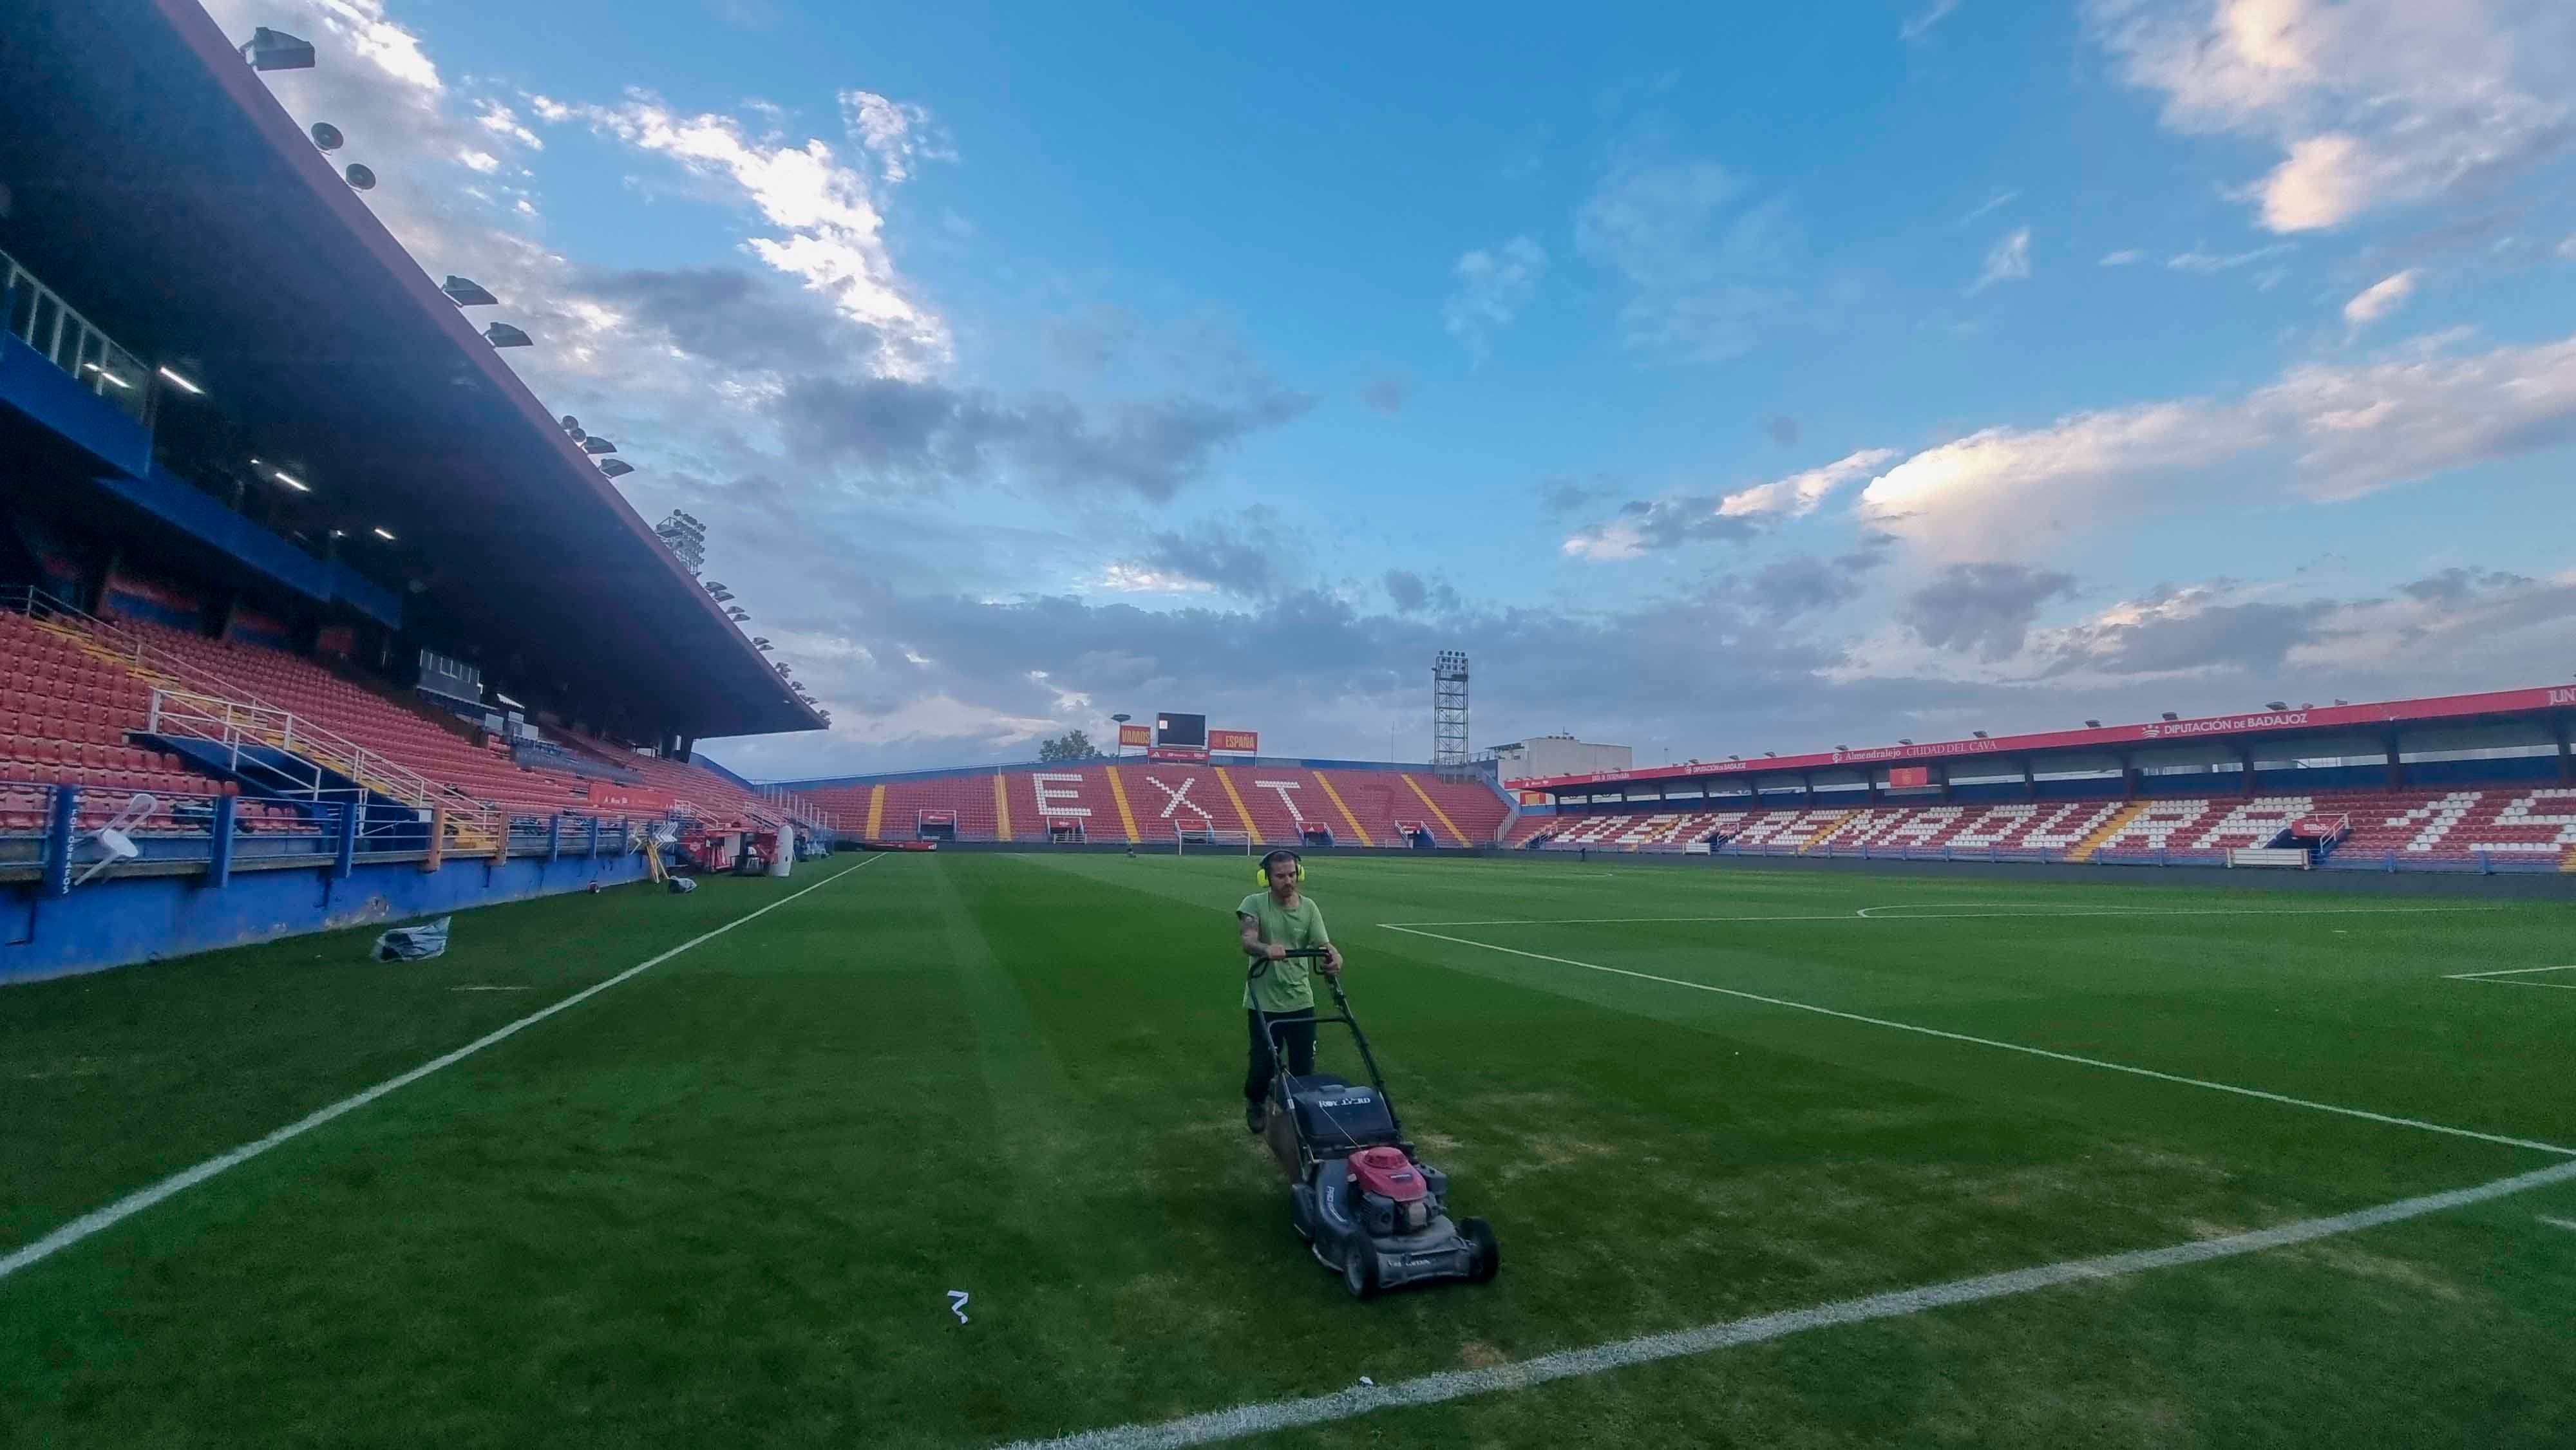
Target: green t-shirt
1283,986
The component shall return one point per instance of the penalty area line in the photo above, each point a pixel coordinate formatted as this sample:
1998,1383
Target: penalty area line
1274,1415
187,1178
2054,1056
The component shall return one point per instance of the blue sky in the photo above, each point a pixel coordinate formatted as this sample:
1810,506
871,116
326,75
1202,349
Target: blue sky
1720,382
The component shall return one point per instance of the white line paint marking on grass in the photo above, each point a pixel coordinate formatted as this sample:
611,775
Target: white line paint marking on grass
2269,1097
2507,972
187,1178
1258,1419
2566,1223
1863,914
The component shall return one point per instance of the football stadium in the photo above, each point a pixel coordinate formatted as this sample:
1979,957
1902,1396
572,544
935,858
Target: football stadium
410,1034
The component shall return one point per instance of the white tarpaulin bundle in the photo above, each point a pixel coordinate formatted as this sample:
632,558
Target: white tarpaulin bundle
413,943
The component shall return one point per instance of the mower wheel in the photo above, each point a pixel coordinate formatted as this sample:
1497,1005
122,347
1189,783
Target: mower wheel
1484,1254
1359,1272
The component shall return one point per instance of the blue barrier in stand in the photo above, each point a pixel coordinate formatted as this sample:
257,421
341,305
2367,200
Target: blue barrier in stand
58,841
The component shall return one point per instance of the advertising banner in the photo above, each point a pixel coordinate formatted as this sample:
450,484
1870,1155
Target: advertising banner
1135,735
1240,742
628,798
1907,777
1187,754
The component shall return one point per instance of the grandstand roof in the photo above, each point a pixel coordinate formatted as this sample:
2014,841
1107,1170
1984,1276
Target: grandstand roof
160,187
2307,720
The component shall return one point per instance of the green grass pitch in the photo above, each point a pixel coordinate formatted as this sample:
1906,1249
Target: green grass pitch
723,1202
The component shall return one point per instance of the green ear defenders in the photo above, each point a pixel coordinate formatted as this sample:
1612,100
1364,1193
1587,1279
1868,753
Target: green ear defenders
1261,873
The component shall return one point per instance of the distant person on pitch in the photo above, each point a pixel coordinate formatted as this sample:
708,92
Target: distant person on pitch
1271,922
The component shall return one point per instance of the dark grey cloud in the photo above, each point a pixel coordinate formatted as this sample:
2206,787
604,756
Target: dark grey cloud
1987,608
1645,525
924,435
1411,593
1782,428
1386,395
1804,584
735,319
1234,555
1561,496
1093,342
2256,637
2458,585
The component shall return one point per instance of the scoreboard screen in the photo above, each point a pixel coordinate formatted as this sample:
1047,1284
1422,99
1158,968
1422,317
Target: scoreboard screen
1183,730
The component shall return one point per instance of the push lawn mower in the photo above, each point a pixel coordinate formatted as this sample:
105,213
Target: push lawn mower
1368,1208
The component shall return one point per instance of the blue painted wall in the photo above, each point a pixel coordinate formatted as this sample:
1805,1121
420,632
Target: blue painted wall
116,922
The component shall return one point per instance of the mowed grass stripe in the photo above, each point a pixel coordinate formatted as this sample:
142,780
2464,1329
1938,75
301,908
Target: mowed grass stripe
2364,1114
133,1203
1255,1419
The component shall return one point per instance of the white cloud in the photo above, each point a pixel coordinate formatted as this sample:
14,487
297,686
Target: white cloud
897,133
501,121
834,230
2000,198
1921,25
2380,298
1707,270
2371,104
480,161
2318,433
1801,493
2007,260
2205,263
1493,287
2126,257
1121,577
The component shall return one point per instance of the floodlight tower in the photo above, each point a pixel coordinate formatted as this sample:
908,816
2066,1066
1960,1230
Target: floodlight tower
686,537
1449,713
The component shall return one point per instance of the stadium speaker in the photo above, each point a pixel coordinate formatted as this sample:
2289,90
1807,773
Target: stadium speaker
276,50
360,177
327,136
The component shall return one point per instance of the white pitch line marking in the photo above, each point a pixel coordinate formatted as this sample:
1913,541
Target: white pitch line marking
1862,915
2566,1223
2270,1097
187,1178
2508,972
1274,1415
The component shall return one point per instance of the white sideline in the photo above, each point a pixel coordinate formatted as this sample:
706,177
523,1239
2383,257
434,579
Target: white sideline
187,1178
2496,979
2565,1223
1863,914
2269,1097
1429,1389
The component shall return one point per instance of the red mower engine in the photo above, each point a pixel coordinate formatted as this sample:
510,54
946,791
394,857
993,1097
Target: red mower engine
1392,1194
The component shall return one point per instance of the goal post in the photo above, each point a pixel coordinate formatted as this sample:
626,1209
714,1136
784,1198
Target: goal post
1227,843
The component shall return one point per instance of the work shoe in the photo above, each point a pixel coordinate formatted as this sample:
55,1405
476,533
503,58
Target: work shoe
1255,1117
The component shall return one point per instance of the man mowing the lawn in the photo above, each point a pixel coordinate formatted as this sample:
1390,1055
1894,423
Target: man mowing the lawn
1273,922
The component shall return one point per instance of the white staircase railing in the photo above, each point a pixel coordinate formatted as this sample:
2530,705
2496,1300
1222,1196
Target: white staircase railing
235,725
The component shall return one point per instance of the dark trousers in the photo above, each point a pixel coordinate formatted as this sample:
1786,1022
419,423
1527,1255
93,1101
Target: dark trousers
1296,1032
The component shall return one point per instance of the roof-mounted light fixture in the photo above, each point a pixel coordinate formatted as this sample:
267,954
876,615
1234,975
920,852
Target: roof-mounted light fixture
290,480
276,50
380,533
1980,734
176,381
617,468
466,292
2276,704
596,444
502,334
